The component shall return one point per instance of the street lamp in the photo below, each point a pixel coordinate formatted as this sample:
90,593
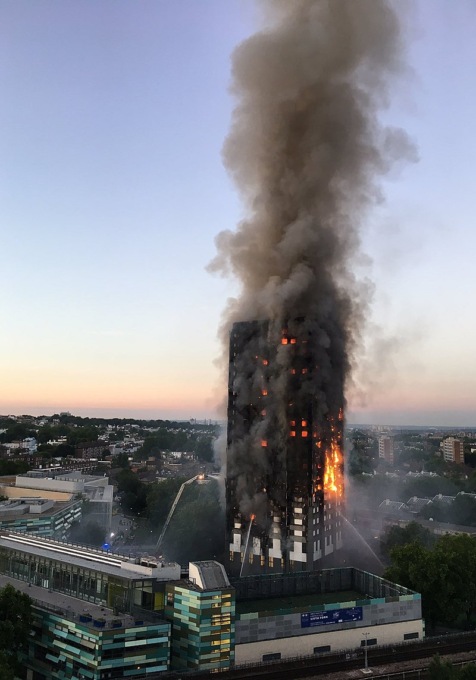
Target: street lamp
366,668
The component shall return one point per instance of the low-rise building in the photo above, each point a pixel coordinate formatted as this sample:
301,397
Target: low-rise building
279,617
40,516
65,486
78,641
101,615
87,450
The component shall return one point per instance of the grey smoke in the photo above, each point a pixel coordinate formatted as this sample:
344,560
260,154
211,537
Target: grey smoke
307,152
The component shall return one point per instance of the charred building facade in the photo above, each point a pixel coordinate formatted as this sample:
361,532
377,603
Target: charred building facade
284,480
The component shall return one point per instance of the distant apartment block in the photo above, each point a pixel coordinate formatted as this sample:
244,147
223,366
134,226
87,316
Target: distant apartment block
385,449
87,450
453,450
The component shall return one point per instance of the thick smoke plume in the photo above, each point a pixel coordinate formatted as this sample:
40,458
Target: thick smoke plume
307,150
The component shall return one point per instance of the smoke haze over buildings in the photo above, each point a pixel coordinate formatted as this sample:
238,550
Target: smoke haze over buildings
306,150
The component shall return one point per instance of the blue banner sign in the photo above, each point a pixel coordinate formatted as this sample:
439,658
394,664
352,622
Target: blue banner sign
331,616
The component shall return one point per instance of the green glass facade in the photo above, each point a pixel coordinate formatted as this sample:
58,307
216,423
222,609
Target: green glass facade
203,626
64,649
89,584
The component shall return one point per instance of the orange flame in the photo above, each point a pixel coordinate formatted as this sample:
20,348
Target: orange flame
333,481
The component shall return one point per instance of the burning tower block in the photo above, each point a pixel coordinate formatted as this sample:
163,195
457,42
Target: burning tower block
284,480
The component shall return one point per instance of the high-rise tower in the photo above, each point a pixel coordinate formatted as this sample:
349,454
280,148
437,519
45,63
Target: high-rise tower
284,481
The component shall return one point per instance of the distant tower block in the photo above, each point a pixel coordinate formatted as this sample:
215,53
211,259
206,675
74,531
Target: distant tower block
453,450
385,449
284,482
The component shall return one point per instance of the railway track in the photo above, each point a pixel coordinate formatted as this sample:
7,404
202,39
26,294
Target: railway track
305,667
380,656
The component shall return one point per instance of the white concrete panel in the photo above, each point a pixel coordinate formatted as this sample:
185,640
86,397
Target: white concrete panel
338,640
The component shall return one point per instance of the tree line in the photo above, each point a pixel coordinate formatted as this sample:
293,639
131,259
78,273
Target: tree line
442,569
197,529
16,620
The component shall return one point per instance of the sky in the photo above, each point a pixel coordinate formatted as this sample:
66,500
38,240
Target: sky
112,190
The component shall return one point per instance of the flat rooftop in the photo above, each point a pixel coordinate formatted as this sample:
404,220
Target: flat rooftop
81,556
71,608
298,602
22,514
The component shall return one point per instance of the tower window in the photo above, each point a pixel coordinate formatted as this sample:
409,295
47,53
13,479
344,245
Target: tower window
304,433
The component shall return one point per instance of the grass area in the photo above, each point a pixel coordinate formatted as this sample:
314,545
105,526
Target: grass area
297,602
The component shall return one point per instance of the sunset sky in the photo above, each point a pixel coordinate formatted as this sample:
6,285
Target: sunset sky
112,190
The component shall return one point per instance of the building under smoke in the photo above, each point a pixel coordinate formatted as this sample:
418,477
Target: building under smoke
306,150
284,451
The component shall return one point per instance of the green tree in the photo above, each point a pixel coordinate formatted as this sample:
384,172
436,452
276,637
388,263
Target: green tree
15,625
458,555
16,432
360,456
12,467
121,460
416,567
445,575
83,434
396,536
133,492
204,448
468,672
441,670
160,497
64,450
6,669
197,529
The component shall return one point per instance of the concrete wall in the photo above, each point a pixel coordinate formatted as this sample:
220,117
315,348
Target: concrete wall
50,484
22,492
304,645
254,627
